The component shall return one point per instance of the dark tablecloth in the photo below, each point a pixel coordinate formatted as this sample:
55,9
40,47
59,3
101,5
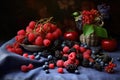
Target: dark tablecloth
10,69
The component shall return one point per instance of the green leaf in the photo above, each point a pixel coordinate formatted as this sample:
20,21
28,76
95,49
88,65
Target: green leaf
101,32
88,29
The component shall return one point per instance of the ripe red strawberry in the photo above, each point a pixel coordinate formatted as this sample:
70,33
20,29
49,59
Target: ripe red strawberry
46,42
60,63
31,37
32,57
25,55
72,56
51,66
82,49
65,49
24,68
60,70
32,24
39,41
19,51
30,66
49,36
21,32
76,46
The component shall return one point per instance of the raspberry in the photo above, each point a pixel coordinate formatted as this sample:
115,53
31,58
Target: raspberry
28,29
72,56
77,62
19,51
11,49
31,37
30,66
21,32
66,49
19,38
25,55
53,27
32,24
82,49
60,63
32,57
24,68
39,41
49,36
86,55
88,51
59,32
46,42
68,62
51,65
47,27
60,70
77,47
55,35
8,46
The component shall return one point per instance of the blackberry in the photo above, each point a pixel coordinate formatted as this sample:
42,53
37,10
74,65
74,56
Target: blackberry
45,53
98,67
64,58
79,57
58,55
71,50
85,63
71,68
107,59
52,61
69,43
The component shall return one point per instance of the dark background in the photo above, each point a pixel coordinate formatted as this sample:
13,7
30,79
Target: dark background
16,14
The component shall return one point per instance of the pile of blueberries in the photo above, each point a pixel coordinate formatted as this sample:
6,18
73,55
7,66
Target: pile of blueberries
55,53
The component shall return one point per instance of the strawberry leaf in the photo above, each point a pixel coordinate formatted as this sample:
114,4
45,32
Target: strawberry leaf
101,32
88,29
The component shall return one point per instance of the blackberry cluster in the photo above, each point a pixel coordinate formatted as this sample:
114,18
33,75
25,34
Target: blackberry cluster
58,55
71,68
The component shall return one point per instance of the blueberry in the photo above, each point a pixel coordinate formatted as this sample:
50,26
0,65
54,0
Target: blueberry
102,63
45,67
47,71
37,57
46,63
118,59
86,46
91,64
35,53
50,57
94,51
77,72
62,45
40,53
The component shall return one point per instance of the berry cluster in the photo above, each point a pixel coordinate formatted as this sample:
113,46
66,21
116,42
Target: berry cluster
89,16
25,68
109,68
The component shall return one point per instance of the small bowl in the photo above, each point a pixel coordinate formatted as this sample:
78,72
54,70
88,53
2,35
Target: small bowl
32,47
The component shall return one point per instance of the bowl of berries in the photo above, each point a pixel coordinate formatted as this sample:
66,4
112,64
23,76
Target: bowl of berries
38,35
